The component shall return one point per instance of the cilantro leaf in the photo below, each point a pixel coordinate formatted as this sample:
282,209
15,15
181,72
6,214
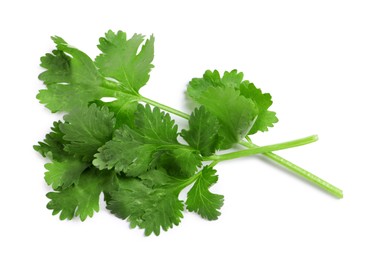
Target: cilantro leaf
64,170
119,59
156,178
210,79
181,161
146,207
156,126
263,101
65,173
234,80
87,129
186,161
201,200
236,114
127,152
136,150
123,109
203,131
197,86
71,79
81,199
53,144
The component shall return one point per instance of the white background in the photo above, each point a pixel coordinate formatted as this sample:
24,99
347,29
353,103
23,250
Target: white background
312,56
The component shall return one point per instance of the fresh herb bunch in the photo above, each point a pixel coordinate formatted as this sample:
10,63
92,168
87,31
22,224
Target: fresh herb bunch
128,149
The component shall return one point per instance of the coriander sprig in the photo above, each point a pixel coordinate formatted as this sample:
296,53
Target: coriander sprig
130,152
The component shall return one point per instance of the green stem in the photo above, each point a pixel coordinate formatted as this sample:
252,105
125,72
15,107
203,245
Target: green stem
187,182
213,164
299,171
263,149
192,179
164,107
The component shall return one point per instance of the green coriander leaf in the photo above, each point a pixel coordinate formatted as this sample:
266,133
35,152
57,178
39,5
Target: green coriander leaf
222,98
157,178
137,150
236,114
81,199
87,129
180,161
127,152
123,109
199,85
232,79
186,160
53,145
57,65
82,67
201,200
156,126
71,79
65,173
64,170
146,207
263,101
210,79
121,60
110,183
203,131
